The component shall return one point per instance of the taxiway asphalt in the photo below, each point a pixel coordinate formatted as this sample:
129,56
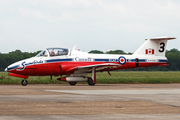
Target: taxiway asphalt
102,101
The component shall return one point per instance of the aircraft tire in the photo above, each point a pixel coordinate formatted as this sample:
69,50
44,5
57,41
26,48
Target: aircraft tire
24,82
72,83
90,82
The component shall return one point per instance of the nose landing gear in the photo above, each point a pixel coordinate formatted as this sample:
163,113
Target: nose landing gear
24,82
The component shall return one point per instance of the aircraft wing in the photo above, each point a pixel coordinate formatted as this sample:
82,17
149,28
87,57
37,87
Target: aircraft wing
99,67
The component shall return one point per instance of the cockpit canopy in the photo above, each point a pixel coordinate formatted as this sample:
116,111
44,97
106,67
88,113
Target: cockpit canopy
50,52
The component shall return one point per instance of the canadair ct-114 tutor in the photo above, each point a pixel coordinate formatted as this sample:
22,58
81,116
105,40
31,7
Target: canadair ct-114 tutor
75,65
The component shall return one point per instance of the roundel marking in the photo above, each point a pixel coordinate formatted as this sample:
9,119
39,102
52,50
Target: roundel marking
122,60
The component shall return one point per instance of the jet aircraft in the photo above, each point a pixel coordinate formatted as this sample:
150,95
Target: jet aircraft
75,65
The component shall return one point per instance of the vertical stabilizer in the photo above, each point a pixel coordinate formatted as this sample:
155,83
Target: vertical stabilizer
154,46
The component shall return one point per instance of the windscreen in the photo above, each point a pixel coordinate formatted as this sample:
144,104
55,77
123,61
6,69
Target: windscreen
42,54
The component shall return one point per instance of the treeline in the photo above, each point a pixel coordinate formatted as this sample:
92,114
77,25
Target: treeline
173,56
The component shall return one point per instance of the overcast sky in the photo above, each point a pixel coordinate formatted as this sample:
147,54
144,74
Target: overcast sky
32,25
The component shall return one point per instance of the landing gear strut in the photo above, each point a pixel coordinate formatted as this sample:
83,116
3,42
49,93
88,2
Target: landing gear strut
72,83
92,80
24,82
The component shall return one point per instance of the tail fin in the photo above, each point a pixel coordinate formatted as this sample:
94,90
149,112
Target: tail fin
154,46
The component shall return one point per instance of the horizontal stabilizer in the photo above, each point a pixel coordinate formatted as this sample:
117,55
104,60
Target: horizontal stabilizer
162,38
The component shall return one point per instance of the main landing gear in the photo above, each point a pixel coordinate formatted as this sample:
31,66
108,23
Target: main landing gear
72,83
90,81
24,82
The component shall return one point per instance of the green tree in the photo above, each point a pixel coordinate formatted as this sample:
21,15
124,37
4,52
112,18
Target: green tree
96,52
116,52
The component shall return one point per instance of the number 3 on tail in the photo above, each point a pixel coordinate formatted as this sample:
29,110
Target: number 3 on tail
162,45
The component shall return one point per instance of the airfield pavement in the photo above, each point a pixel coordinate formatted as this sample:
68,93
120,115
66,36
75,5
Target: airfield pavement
102,101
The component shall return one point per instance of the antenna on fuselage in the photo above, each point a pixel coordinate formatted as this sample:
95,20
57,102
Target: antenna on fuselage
73,49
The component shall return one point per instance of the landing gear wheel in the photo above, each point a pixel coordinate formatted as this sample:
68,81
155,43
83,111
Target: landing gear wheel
72,83
90,82
24,82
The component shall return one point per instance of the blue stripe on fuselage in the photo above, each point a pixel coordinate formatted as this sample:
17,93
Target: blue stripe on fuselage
13,67
133,60
59,60
145,60
101,60
162,60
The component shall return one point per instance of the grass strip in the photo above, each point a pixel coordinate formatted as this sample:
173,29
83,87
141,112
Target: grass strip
120,77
